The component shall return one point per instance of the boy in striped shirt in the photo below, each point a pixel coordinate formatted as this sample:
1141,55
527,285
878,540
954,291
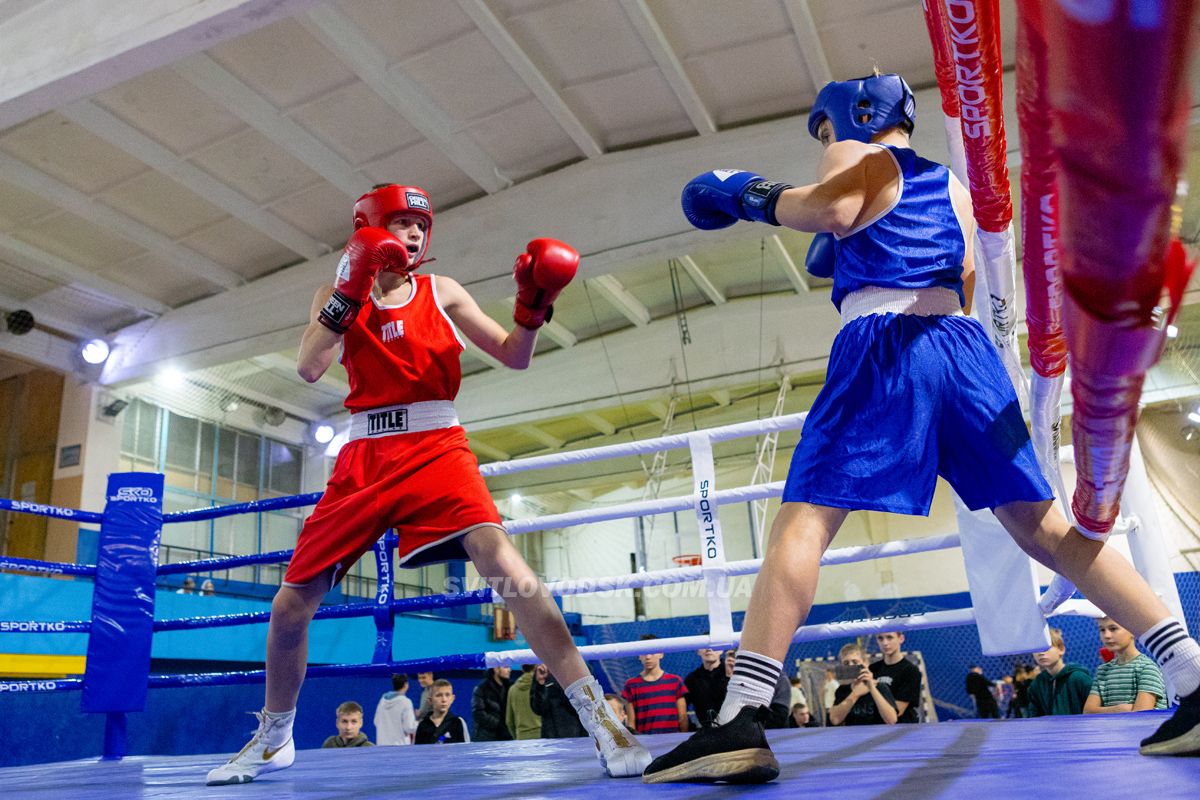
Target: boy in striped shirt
656,697
1130,682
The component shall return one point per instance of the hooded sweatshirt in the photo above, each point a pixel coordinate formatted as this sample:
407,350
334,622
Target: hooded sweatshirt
1064,693
395,722
358,741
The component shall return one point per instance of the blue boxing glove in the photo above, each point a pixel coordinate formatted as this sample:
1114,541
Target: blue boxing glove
720,198
821,255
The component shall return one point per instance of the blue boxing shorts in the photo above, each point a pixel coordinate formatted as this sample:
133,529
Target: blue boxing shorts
908,398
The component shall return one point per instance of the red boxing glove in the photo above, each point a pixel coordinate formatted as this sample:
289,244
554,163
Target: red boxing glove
369,252
541,272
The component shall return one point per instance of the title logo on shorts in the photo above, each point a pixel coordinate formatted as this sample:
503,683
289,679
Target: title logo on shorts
380,423
134,494
392,330
415,200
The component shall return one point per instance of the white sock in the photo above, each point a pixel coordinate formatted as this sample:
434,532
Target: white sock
1176,653
280,726
752,684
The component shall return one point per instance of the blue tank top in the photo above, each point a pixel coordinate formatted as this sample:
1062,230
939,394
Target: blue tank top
916,244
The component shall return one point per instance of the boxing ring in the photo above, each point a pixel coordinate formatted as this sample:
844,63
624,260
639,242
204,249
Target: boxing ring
910,761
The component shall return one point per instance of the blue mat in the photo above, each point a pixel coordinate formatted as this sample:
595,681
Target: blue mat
1064,757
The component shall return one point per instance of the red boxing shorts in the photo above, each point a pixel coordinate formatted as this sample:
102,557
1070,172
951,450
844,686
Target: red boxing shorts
426,485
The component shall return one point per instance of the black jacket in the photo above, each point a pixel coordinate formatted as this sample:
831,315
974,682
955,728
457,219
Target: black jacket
559,720
488,703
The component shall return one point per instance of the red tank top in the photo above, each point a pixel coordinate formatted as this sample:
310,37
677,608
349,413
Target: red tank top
406,353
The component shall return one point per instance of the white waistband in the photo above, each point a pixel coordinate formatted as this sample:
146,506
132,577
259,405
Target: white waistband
406,418
929,302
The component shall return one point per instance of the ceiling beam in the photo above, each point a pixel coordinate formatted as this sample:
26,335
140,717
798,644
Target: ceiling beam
404,94
493,29
787,264
48,265
560,334
115,222
41,348
722,396
621,299
658,408
656,42
260,114
811,48
540,436
70,49
599,423
252,395
487,451
710,290
124,136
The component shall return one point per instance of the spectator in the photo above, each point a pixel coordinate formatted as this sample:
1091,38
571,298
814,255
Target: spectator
440,726
188,587
801,717
980,689
829,690
549,701
798,693
1131,681
425,681
1062,688
207,588
349,725
395,720
1020,702
861,700
518,714
489,702
899,675
706,686
729,661
618,706
658,698
1004,695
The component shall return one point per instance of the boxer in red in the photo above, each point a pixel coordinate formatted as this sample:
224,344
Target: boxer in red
407,465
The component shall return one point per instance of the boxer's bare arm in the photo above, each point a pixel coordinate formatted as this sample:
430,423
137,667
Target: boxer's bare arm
960,196
853,175
512,348
318,344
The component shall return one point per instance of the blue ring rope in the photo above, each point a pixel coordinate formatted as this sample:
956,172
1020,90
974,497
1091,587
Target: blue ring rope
270,504
43,510
225,562
47,567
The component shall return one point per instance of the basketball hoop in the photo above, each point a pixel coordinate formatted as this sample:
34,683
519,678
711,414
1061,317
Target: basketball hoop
689,560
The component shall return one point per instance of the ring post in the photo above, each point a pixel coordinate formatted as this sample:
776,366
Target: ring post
385,615
118,652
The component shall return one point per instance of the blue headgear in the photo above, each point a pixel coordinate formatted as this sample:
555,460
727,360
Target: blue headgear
861,108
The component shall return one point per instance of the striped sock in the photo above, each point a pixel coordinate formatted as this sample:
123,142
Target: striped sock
1176,653
752,684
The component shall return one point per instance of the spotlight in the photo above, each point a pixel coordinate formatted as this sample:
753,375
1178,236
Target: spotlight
274,416
1172,331
516,498
230,405
94,351
1195,416
170,378
336,444
323,433
115,407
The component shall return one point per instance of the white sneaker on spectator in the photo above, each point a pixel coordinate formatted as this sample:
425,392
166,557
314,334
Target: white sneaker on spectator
620,753
261,755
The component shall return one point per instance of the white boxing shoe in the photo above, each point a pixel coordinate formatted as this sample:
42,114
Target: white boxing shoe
620,753
258,757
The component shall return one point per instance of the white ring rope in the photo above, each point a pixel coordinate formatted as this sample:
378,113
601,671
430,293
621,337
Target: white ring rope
676,441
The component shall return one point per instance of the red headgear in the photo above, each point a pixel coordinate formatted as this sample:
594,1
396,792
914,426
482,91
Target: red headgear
377,207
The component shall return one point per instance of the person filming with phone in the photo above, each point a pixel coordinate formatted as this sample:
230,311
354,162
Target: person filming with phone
859,699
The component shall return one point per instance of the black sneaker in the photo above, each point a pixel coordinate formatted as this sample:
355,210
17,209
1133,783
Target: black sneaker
736,752
1178,736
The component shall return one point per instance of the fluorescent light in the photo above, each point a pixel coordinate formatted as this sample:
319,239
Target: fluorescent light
1195,417
1172,331
170,378
323,433
515,498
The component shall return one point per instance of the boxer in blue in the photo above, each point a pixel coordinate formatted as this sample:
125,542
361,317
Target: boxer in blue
914,390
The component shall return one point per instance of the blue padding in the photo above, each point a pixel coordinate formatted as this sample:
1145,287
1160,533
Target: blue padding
385,617
118,654
273,504
43,510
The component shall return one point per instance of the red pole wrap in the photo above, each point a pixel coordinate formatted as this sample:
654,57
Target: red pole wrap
943,58
975,48
1039,199
1117,90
